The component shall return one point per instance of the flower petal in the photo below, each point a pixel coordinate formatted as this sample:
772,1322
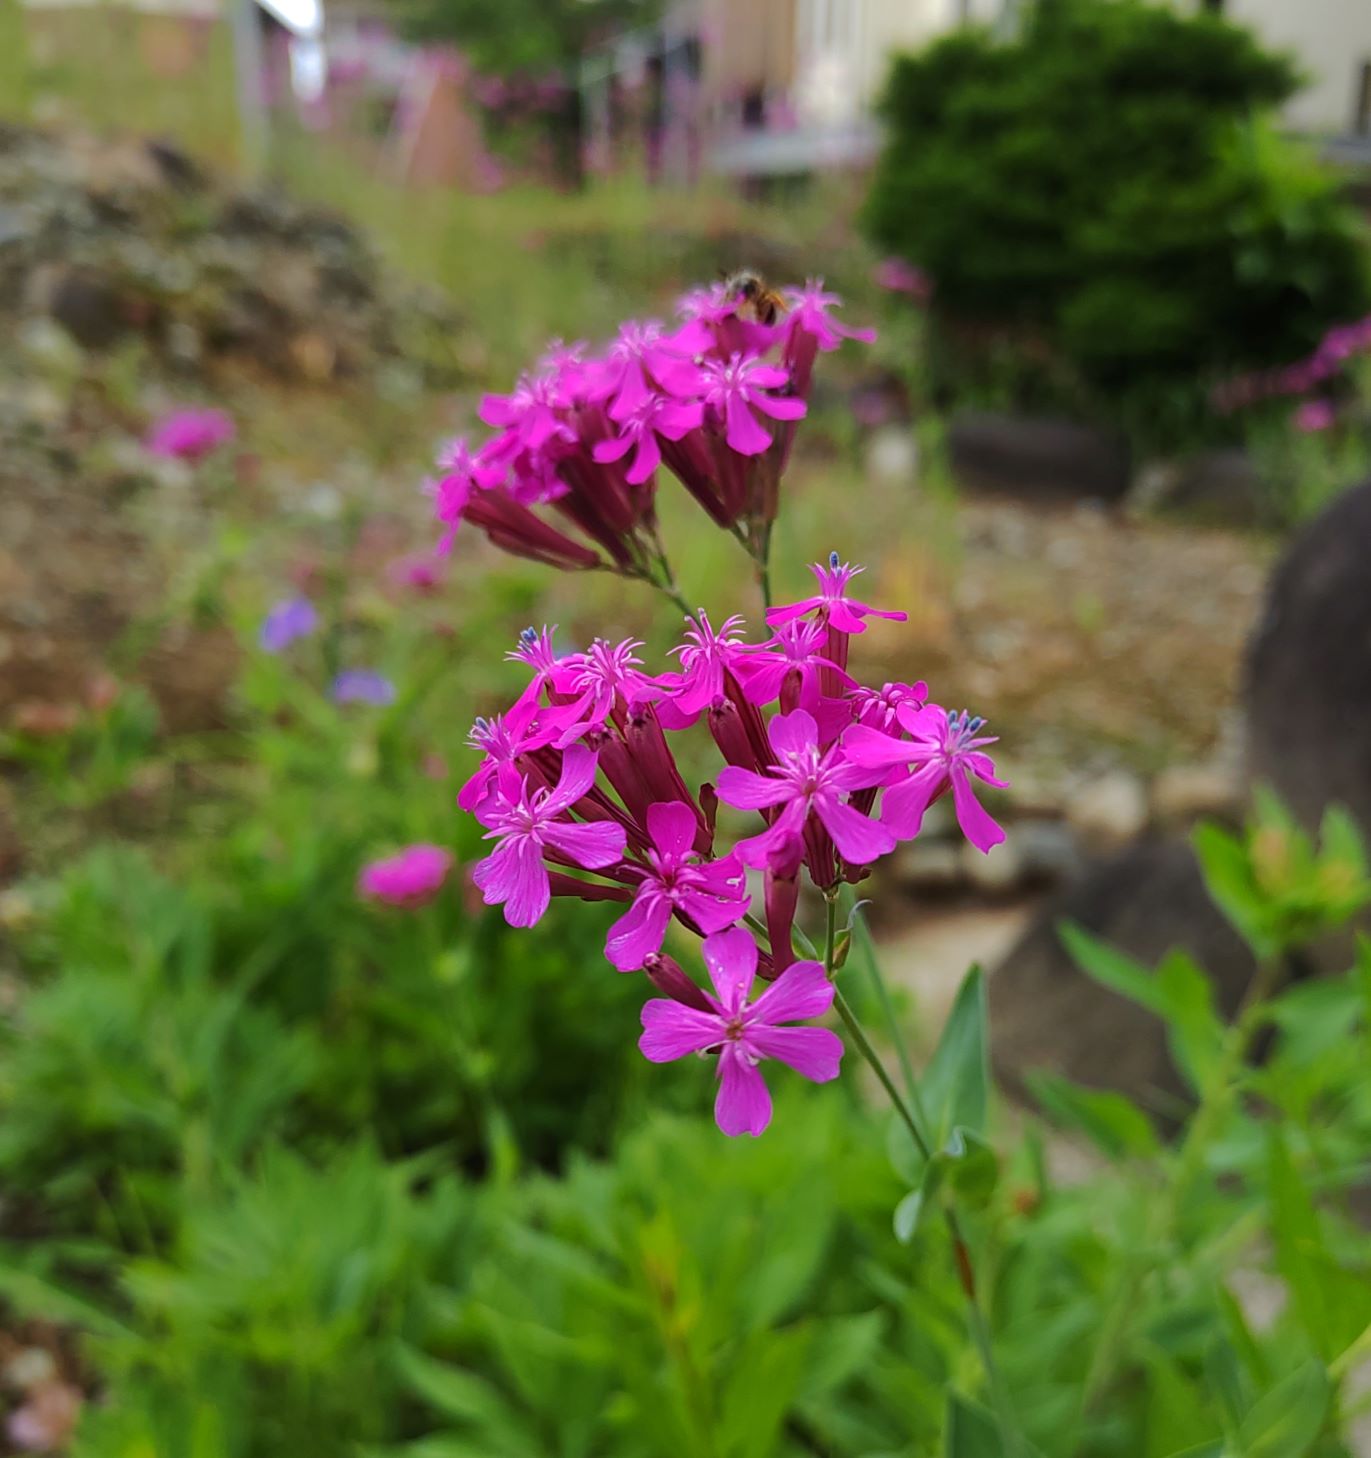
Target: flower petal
903,805
746,790
516,876
578,775
791,733
731,960
711,912
866,746
672,826
743,1105
639,932
859,839
814,1052
977,824
593,846
801,991
742,432
672,1030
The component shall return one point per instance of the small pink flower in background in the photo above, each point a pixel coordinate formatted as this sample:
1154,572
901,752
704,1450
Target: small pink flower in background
526,823
410,878
944,751
1315,415
745,1033
420,572
46,1419
897,276
840,611
713,895
190,435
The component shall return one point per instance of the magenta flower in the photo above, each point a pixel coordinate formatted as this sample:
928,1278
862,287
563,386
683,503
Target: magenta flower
362,686
943,751
529,417
810,311
804,780
464,473
501,739
410,878
190,435
738,387
838,610
606,680
642,362
419,572
528,823
796,655
705,656
639,429
711,894
877,708
1315,415
294,618
744,1033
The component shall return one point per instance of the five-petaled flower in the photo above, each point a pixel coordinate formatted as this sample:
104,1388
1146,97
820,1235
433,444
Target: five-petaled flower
806,779
743,1033
944,751
711,894
527,823
735,388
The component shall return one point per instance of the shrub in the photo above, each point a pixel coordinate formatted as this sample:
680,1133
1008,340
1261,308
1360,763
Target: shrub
1110,224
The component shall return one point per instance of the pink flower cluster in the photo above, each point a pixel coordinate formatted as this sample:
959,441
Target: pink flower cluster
1340,344
569,475
582,795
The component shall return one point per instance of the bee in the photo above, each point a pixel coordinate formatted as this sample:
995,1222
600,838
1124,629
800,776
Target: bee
757,301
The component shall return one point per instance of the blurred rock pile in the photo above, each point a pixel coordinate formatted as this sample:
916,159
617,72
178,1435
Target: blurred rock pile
133,281
126,238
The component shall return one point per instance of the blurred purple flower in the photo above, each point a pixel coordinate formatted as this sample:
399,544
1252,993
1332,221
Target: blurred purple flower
190,435
294,618
362,686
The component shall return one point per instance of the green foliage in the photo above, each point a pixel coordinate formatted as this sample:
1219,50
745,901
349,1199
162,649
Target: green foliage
1110,224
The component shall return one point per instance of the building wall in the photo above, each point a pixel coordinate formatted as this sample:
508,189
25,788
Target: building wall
1331,39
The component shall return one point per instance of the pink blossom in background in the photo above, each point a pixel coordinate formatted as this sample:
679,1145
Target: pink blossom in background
410,878
420,572
1315,415
744,1033
898,276
190,435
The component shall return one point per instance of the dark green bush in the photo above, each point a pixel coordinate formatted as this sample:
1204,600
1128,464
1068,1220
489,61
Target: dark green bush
1108,222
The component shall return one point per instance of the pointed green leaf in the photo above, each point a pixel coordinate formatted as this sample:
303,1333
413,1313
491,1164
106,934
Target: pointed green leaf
957,1083
1110,967
971,1430
1110,1121
1286,1422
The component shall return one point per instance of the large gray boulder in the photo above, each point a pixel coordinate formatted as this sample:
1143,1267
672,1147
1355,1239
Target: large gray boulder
1307,689
1047,1015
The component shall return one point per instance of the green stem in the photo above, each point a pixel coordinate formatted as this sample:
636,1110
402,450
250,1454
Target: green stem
1214,1102
966,1275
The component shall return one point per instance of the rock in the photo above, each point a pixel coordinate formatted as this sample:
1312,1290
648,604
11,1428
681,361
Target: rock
1049,851
997,873
1217,488
892,456
1307,689
1109,810
1045,1014
1183,793
1037,459
925,865
90,308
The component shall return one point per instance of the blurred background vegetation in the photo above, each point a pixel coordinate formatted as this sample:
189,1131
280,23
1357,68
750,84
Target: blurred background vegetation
283,1173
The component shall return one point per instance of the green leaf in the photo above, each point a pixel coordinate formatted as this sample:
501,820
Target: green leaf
957,1083
1111,968
765,1379
1110,1121
973,1169
843,1347
971,1430
1329,1299
1227,871
467,1398
1195,1032
915,1205
1286,1422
